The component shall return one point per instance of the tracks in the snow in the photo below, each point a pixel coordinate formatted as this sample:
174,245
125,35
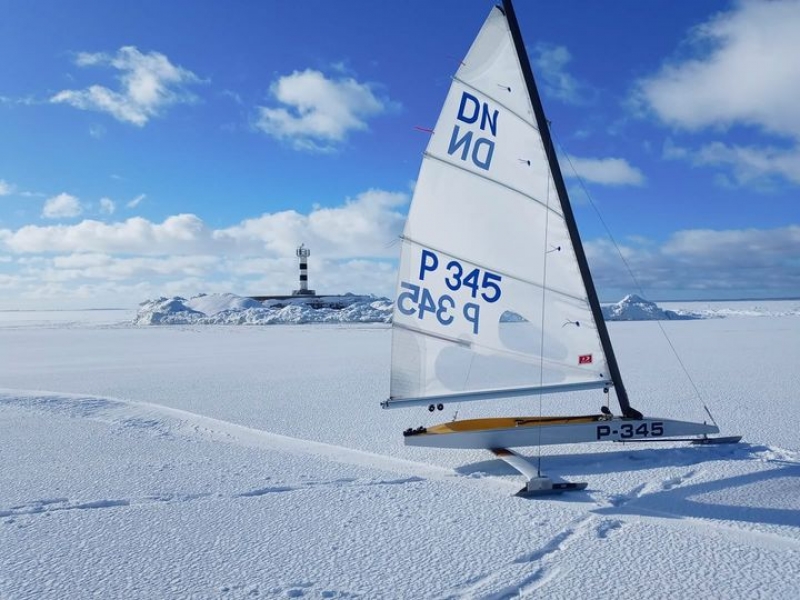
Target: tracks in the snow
598,516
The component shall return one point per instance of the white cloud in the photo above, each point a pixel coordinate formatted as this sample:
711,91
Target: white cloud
318,112
363,226
177,234
63,205
732,263
149,83
747,165
734,248
92,263
120,264
107,206
550,63
606,171
5,188
742,73
753,164
135,202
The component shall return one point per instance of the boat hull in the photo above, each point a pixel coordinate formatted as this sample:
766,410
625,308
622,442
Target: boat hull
514,432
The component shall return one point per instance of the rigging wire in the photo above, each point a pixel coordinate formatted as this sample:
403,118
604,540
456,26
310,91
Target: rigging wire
541,328
631,274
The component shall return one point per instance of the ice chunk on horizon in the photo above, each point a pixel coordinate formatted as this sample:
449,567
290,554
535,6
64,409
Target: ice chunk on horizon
230,309
636,308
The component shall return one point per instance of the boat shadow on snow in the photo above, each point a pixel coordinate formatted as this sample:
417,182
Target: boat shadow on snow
639,459
772,497
706,500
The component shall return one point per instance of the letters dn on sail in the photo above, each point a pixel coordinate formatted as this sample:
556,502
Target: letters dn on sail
469,143
477,284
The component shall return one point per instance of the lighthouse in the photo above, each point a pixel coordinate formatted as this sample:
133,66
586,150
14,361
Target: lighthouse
302,254
306,297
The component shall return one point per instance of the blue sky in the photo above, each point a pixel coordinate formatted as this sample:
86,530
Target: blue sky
168,148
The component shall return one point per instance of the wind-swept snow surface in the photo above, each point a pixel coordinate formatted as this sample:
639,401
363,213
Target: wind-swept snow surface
242,462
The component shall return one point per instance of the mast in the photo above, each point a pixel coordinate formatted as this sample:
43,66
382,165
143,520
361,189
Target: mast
555,169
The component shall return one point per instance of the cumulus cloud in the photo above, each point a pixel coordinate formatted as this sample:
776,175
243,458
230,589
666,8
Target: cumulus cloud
606,171
5,188
739,71
120,263
318,112
92,263
736,263
735,248
63,205
742,73
363,226
148,84
177,234
747,165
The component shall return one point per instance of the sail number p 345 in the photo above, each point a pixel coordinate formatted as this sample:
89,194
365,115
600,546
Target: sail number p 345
478,284
627,431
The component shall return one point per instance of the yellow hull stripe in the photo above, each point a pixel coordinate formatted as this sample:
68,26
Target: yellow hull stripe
492,423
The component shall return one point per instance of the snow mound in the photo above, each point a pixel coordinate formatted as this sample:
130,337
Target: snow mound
165,311
216,303
230,309
636,308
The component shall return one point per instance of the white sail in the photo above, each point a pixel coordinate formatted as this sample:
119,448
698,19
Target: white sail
486,236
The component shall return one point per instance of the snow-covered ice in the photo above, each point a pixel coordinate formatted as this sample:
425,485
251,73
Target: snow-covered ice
209,461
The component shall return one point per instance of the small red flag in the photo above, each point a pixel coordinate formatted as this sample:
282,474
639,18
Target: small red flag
585,359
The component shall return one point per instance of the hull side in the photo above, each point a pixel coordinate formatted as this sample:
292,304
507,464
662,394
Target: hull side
514,432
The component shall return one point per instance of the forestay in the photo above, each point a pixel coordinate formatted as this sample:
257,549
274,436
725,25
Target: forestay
486,237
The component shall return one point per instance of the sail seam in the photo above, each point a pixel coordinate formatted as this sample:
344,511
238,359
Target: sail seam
515,354
444,161
430,334
533,125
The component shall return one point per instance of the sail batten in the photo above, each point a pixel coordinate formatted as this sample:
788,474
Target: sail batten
430,334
